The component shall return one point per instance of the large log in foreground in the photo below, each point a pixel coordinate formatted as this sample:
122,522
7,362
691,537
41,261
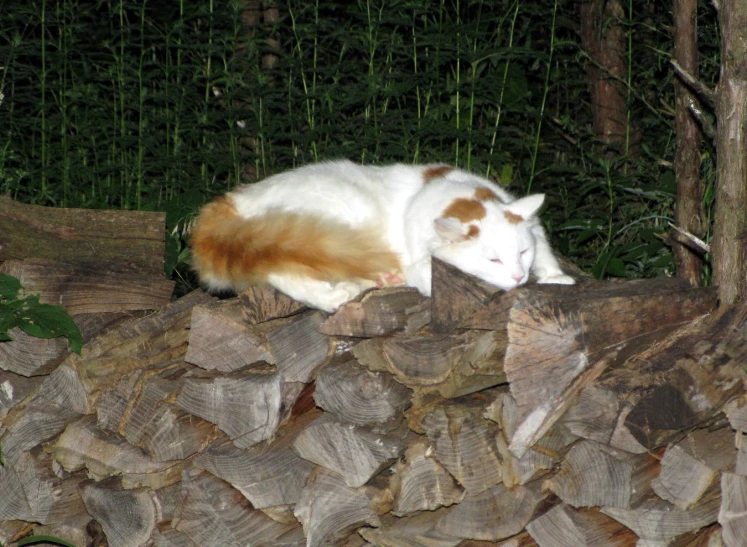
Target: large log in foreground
602,414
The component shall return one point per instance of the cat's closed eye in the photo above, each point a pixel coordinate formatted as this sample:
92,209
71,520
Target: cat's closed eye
496,260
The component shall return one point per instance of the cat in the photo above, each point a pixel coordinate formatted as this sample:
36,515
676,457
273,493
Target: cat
325,232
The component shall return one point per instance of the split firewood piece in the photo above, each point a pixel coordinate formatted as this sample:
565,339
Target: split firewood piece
564,526
14,388
72,528
592,474
329,509
106,454
424,485
267,475
214,513
465,442
360,396
154,423
380,312
298,347
736,411
691,466
733,513
94,286
542,457
263,302
173,538
680,383
355,452
417,530
452,365
128,517
496,513
247,406
594,415
26,481
31,356
658,522
219,338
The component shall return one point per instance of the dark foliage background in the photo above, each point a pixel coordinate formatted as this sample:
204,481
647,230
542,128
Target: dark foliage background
162,105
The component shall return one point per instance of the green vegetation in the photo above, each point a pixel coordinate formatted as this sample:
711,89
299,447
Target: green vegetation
162,105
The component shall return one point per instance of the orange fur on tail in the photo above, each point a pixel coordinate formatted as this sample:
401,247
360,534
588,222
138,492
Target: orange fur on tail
229,251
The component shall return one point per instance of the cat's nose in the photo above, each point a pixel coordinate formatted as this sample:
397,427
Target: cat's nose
518,277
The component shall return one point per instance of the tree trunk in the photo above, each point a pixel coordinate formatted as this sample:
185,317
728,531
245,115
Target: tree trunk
689,213
730,219
604,39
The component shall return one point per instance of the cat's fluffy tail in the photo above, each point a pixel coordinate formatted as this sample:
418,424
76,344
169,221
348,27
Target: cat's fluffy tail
230,252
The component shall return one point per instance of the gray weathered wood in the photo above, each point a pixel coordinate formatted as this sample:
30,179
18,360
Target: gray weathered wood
564,526
298,346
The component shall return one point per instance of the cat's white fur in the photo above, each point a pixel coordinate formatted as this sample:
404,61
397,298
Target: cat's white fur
410,213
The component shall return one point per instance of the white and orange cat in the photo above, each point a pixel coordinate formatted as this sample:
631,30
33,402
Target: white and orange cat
325,232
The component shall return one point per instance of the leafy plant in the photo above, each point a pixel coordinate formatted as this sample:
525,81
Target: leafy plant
33,317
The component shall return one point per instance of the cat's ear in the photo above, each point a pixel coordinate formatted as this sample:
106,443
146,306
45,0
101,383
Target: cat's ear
526,207
450,229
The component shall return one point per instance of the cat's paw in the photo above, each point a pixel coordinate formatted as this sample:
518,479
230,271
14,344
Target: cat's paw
557,279
390,279
339,294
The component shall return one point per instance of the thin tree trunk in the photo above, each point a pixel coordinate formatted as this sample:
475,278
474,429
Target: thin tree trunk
604,39
689,211
730,221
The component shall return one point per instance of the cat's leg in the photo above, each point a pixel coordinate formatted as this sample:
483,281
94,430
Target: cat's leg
546,266
418,275
312,292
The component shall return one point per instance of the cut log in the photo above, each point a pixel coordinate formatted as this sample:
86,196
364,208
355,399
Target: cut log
465,442
594,415
224,401
72,529
329,509
691,466
564,526
380,312
453,365
262,303
424,484
105,454
733,513
128,517
14,388
298,346
560,338
219,339
413,531
213,513
355,452
359,396
31,356
496,513
592,474
91,286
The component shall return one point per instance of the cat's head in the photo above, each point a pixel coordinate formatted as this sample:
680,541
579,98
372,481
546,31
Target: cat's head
493,241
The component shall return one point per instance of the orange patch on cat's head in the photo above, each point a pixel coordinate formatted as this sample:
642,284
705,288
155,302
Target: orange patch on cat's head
473,231
513,218
436,172
465,210
486,194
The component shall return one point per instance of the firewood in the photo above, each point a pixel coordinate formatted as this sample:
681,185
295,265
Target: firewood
453,365
330,509
465,442
173,538
262,303
214,513
496,513
659,522
520,540
417,530
355,452
680,383
128,517
31,356
91,286
71,529
691,466
359,396
106,454
219,339
247,406
424,484
14,388
564,526
26,481
594,415
733,513
592,474
298,347
380,312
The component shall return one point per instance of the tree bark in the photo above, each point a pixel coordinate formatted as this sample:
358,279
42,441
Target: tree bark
730,219
689,211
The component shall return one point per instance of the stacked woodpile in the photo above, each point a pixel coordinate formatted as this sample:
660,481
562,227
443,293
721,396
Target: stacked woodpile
605,414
